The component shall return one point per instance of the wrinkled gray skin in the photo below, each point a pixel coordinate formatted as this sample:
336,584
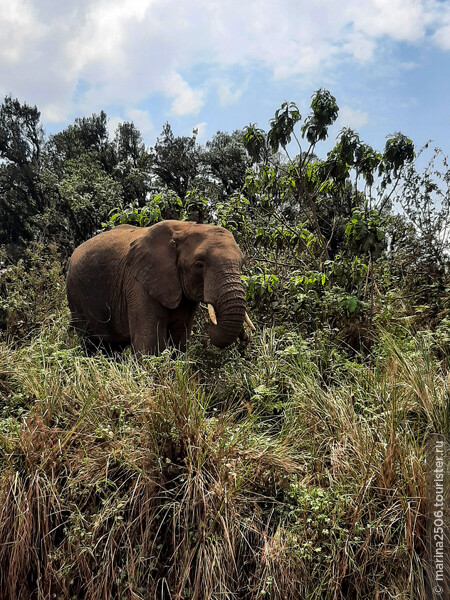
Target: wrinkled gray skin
142,285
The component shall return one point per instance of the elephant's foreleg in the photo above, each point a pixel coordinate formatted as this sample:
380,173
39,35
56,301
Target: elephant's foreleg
180,324
148,326
149,342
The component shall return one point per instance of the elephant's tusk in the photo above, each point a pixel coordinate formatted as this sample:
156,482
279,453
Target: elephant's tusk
249,323
212,314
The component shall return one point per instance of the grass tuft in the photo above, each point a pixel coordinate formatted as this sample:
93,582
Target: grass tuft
283,473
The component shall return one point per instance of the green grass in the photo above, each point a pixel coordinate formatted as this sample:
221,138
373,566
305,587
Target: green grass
284,470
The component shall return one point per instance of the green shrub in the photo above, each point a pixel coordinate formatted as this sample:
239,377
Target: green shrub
32,293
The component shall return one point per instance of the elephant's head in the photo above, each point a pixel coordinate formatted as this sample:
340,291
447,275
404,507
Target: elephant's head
175,260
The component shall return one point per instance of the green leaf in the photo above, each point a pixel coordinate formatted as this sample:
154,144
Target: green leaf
352,303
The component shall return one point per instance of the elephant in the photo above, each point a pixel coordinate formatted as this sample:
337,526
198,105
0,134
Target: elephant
142,285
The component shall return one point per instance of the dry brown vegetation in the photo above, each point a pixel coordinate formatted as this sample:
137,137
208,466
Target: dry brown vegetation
175,478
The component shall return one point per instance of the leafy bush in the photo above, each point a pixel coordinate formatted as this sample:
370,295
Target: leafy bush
32,293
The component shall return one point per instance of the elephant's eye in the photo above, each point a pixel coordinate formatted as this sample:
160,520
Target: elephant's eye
199,264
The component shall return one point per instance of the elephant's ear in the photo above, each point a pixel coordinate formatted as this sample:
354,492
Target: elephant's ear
152,261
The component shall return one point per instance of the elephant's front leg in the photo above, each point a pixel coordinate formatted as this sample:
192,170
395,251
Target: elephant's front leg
148,324
180,323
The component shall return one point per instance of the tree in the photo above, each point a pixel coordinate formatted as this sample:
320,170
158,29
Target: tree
321,188
324,111
86,135
21,140
79,201
226,162
128,144
133,164
176,161
422,238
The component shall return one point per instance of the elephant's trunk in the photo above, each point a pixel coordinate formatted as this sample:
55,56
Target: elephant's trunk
229,308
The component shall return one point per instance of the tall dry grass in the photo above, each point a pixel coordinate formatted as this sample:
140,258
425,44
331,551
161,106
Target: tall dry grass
213,475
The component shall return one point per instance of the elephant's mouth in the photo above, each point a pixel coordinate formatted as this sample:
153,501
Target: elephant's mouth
225,300
213,317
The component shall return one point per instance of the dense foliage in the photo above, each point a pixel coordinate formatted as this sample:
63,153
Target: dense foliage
289,467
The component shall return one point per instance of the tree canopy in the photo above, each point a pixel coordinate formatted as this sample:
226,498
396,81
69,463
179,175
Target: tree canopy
329,235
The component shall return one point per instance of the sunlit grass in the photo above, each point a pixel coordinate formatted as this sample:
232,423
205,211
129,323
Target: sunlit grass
285,471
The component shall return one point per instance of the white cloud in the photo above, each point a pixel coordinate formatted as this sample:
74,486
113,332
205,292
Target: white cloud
227,93
442,37
104,31
359,46
141,119
74,57
54,113
201,131
353,118
442,34
186,100
113,123
403,20
19,26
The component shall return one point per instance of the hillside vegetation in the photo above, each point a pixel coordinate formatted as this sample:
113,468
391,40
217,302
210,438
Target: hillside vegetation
288,466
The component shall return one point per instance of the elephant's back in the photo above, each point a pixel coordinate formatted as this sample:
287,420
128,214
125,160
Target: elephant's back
101,254
114,241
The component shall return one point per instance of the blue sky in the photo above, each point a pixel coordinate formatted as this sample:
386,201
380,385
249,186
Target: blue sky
220,64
